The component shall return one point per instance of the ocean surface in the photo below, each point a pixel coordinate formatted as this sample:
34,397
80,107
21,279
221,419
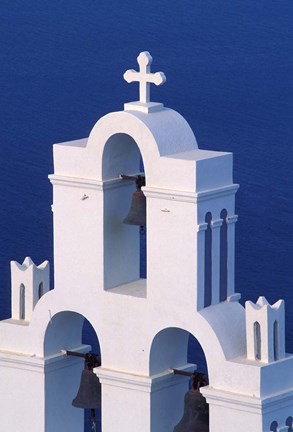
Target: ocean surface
229,68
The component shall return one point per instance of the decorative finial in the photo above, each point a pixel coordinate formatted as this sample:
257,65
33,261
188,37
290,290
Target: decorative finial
145,78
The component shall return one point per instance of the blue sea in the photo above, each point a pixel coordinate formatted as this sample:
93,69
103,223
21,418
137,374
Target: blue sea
229,69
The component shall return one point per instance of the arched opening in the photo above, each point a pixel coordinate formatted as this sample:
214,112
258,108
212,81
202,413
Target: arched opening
41,290
173,348
223,256
274,426
89,337
276,340
257,341
123,244
289,423
22,302
68,331
143,241
208,262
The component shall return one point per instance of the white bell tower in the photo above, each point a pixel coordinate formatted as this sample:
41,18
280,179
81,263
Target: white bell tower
143,325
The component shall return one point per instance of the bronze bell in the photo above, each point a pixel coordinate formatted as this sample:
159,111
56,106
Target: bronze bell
137,211
89,393
196,410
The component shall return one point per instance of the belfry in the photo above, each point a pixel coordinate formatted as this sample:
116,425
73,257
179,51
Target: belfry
142,324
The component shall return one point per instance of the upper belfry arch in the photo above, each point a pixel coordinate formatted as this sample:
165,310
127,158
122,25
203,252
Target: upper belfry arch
157,134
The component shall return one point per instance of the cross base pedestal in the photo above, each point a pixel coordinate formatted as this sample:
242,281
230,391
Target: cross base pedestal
146,108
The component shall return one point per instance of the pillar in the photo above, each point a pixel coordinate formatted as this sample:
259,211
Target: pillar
216,225
231,220
141,403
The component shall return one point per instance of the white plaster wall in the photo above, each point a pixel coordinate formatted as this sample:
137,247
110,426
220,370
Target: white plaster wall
171,252
62,381
116,399
78,239
22,394
167,405
223,419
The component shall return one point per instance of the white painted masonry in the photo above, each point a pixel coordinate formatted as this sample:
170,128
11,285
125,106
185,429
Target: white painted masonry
142,325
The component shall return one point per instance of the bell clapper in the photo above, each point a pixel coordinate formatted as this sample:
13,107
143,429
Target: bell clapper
93,420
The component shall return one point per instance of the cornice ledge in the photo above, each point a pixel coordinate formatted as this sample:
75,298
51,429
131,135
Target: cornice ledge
216,192
34,363
21,361
232,219
169,194
216,223
245,402
78,182
231,400
141,383
186,196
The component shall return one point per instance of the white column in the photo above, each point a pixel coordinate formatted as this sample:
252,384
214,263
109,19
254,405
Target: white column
231,220
216,225
201,229
36,393
141,403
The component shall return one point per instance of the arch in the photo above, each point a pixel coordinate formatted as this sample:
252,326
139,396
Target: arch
121,155
257,340
155,136
173,347
274,426
40,290
289,423
22,302
169,350
196,355
68,330
64,332
208,261
276,340
223,256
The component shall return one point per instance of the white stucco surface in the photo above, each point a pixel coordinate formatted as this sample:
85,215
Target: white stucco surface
143,325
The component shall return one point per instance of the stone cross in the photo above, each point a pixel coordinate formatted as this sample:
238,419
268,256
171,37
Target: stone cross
144,76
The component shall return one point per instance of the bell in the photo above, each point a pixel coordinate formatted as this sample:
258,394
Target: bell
137,212
196,409
196,413
89,393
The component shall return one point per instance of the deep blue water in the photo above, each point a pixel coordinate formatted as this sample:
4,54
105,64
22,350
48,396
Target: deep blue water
229,68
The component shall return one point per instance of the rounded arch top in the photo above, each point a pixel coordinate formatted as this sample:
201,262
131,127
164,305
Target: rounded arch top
157,134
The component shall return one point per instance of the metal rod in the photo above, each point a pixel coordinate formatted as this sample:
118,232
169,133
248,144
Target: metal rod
181,372
83,355
139,179
74,353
